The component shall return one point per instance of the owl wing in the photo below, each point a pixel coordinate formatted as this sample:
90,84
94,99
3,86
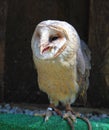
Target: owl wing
83,69
83,58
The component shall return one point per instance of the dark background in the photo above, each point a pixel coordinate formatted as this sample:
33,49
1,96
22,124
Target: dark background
18,78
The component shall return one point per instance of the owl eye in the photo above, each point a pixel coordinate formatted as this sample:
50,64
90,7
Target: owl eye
38,34
53,38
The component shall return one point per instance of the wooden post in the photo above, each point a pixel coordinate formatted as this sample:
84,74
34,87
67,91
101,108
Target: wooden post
3,16
99,44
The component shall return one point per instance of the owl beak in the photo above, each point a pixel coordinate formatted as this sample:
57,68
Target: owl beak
44,48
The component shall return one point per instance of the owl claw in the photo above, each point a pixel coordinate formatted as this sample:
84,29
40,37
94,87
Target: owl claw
71,116
87,121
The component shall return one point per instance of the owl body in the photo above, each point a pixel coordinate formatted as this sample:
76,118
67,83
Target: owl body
57,80
61,62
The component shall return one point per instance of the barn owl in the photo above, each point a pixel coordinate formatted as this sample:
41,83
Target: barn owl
62,61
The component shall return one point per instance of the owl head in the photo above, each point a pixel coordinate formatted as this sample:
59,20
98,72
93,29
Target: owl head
52,39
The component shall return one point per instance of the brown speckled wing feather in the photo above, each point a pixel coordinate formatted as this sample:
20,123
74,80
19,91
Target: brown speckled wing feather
83,69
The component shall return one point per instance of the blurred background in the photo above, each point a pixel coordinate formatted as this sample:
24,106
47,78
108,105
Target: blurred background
18,19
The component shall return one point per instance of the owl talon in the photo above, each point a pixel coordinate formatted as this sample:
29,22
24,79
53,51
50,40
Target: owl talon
78,115
70,123
71,116
87,121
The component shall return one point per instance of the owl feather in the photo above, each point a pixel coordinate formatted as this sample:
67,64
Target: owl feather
62,61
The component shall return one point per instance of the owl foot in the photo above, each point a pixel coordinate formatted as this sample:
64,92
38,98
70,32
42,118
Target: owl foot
71,116
51,111
48,113
68,116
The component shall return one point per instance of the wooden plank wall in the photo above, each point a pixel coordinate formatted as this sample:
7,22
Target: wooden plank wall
16,28
3,17
20,75
99,44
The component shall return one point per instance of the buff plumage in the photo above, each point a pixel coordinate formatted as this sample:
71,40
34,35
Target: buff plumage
62,61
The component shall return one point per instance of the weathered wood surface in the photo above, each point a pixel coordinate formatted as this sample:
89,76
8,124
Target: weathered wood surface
22,18
3,17
99,44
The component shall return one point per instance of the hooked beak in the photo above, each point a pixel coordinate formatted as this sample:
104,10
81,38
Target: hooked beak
45,48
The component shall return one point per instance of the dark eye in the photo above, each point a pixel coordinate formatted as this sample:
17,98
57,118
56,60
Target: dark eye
53,38
38,35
